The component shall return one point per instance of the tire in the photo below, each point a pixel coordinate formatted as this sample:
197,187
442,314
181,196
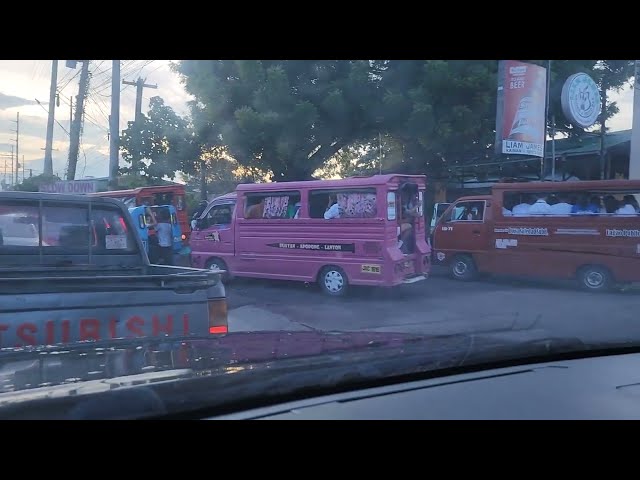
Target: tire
221,265
463,268
594,278
333,281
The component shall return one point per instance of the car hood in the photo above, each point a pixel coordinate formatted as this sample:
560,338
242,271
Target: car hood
236,362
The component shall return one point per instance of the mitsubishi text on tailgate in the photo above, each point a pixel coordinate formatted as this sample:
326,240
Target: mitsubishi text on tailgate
73,269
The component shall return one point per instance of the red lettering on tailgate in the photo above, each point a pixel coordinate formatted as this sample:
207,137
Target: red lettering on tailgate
66,331
50,337
134,324
112,327
26,337
185,324
158,327
89,329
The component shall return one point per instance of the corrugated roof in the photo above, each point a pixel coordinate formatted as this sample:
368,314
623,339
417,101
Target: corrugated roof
589,144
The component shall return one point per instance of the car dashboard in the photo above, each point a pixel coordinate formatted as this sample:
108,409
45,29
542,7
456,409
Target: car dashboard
605,387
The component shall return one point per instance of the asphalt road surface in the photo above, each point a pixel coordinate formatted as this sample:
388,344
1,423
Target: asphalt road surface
515,308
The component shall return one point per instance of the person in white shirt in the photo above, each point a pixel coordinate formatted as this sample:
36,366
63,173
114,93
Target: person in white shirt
333,211
540,207
522,209
164,233
560,205
629,206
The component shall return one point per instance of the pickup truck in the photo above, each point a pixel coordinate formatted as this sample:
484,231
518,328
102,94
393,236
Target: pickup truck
73,269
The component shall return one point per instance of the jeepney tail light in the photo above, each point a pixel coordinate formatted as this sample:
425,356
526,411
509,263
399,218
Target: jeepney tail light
218,323
184,237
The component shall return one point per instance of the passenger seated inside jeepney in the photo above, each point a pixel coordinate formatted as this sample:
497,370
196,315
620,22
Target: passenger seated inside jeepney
255,210
628,206
333,208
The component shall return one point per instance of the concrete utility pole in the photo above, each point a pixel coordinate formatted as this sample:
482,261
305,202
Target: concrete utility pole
17,140
140,86
76,126
634,160
114,125
48,158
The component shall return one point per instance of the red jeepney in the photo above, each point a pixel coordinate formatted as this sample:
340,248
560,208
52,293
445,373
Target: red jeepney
588,230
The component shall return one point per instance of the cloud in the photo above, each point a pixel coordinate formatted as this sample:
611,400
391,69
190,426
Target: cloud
10,101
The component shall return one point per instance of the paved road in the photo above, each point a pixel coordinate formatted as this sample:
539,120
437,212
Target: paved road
517,309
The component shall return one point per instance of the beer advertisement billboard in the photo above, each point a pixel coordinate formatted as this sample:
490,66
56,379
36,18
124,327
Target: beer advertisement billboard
520,116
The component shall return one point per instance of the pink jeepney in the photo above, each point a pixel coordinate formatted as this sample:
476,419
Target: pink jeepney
354,231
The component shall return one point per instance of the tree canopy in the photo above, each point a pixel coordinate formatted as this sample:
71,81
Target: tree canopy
296,119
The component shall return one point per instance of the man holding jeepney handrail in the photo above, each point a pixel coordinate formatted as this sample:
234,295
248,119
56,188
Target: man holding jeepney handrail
410,210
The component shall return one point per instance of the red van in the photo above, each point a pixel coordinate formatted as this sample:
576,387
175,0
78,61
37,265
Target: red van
588,231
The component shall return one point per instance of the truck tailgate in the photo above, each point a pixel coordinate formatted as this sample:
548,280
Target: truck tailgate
50,318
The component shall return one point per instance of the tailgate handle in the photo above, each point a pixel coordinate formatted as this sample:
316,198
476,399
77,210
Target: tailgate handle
476,232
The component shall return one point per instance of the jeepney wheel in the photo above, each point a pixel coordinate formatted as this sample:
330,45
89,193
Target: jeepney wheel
463,268
216,263
333,281
594,278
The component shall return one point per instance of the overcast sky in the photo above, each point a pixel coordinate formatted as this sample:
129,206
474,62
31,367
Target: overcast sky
24,81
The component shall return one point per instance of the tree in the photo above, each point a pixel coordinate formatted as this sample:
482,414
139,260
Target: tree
443,112
32,184
286,117
158,145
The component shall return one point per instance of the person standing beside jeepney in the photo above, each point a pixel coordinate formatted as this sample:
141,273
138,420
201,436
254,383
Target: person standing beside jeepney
164,234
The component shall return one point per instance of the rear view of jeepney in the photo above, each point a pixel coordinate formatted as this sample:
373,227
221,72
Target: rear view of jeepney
409,251
73,269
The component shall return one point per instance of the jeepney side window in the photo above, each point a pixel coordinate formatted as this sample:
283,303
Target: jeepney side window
272,205
219,215
352,202
467,211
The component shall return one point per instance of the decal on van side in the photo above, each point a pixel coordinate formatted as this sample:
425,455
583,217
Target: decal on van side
620,232
503,243
530,231
213,236
327,247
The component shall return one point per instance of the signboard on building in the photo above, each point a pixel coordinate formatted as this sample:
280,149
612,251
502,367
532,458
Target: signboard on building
75,187
580,100
520,115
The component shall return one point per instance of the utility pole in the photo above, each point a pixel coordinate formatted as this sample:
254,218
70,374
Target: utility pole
76,126
48,159
140,86
114,125
17,140
70,113
634,160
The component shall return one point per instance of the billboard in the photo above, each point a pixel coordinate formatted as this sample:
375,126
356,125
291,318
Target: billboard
520,116
70,187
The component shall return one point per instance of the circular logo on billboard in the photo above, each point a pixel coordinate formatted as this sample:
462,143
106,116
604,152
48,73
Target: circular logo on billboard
581,100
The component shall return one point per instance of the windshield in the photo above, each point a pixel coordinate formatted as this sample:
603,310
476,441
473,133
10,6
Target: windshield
309,219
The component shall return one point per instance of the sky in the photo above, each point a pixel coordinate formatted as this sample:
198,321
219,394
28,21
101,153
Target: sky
24,82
